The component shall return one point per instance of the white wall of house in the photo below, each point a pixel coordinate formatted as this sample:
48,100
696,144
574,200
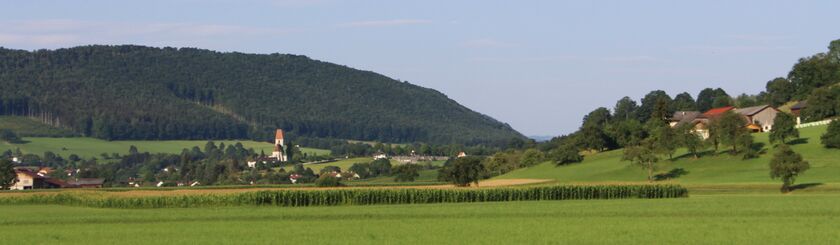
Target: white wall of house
765,118
24,182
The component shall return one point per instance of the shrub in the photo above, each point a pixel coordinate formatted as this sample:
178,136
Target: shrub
831,138
327,180
406,172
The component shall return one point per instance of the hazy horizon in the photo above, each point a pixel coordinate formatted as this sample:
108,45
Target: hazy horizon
539,66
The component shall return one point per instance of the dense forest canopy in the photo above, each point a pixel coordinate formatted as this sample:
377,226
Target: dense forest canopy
136,92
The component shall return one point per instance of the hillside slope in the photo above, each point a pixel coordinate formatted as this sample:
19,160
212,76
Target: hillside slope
720,168
135,92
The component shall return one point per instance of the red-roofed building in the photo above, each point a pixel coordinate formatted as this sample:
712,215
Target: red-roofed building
716,112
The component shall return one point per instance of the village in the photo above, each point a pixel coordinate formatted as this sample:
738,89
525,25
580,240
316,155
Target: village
35,177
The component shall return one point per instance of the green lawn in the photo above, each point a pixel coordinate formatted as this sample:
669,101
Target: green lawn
718,169
25,126
700,219
91,147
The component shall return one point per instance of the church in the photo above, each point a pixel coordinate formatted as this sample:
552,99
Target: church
279,152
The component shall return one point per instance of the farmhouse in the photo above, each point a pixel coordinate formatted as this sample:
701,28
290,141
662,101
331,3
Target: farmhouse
759,118
28,179
756,118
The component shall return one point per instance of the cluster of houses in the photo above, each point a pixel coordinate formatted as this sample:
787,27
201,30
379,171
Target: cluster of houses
39,178
757,118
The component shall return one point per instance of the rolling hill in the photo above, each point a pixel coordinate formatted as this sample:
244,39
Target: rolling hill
714,168
135,92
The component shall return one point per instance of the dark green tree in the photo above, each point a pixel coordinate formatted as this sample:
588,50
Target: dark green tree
406,172
686,137
625,109
8,177
643,156
787,165
784,127
565,154
684,102
731,126
654,102
779,91
361,169
822,103
831,138
463,171
380,167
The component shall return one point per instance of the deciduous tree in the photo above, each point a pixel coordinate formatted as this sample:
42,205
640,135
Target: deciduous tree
784,127
787,165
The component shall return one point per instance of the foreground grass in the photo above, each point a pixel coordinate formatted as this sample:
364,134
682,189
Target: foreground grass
91,147
728,219
714,168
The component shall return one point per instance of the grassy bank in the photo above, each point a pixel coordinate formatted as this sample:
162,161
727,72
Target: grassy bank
712,168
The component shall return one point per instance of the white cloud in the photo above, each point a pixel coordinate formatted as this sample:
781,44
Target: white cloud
385,23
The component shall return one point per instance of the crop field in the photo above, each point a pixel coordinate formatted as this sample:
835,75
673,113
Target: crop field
91,147
712,168
701,219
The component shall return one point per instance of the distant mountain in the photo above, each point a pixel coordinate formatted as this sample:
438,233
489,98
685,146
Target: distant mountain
136,92
541,138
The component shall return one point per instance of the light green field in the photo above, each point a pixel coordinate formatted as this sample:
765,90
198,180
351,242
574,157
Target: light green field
91,147
25,126
345,164
704,219
717,169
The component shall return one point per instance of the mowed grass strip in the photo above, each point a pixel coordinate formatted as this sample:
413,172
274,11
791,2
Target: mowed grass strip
735,219
338,197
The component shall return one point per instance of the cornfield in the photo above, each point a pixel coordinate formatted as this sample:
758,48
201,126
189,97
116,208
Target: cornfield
333,197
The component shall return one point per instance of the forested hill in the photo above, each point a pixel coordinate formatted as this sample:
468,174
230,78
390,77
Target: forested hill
136,92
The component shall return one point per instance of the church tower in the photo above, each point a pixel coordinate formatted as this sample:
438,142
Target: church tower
279,147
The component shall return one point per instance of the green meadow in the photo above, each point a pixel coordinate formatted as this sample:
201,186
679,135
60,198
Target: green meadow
711,168
90,147
700,219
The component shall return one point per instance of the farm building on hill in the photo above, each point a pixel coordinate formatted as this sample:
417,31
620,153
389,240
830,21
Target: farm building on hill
760,118
756,118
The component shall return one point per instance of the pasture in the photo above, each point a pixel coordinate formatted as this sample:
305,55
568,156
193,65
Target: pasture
711,168
701,219
86,147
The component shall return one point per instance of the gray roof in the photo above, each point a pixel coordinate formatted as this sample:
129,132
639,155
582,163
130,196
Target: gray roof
749,111
682,117
799,105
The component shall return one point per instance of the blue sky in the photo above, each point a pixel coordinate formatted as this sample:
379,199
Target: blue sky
538,65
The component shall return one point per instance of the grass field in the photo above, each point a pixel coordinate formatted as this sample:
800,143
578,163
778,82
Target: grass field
91,147
700,219
24,126
711,169
345,164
